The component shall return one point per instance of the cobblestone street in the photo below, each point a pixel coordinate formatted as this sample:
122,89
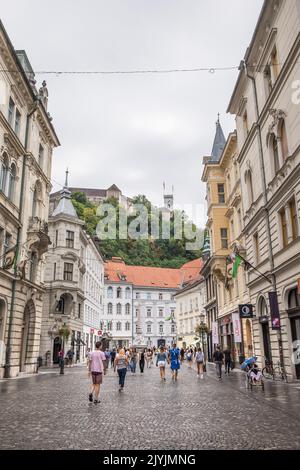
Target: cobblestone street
49,411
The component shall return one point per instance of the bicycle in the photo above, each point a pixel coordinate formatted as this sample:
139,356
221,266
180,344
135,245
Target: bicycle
274,372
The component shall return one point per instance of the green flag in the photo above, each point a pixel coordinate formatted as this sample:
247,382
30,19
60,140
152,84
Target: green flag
237,262
168,318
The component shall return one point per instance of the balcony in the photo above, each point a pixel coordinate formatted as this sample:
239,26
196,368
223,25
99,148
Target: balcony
38,239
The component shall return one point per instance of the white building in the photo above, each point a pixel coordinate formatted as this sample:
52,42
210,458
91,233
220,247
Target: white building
27,140
93,292
145,292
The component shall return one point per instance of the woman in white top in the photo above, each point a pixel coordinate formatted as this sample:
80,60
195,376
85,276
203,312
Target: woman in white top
199,362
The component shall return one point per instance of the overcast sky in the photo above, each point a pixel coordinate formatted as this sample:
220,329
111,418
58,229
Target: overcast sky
135,130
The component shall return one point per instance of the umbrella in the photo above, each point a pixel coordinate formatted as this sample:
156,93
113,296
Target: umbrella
248,362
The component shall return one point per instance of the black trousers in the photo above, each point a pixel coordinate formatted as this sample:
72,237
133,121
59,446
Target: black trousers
227,366
142,365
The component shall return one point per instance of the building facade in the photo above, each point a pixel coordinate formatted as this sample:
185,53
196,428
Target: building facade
94,296
224,225
266,104
27,140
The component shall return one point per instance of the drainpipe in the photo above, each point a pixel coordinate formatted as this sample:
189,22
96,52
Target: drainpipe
14,282
265,201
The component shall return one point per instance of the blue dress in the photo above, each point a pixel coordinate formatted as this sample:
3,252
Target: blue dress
174,354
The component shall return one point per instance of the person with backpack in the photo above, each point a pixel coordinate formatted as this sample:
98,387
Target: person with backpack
120,364
228,360
218,360
200,362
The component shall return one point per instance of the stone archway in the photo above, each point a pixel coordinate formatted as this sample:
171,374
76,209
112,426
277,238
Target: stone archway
27,334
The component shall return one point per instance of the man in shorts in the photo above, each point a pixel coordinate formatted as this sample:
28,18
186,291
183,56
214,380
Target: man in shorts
96,368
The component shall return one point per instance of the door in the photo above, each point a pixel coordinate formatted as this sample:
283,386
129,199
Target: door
295,328
266,342
56,349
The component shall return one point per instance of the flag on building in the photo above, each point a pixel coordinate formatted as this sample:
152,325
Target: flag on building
236,262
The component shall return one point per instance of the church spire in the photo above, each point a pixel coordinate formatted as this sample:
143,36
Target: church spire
219,142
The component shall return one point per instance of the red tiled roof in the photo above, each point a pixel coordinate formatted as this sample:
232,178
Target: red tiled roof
146,276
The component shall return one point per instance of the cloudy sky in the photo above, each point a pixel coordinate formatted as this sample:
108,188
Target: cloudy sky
135,130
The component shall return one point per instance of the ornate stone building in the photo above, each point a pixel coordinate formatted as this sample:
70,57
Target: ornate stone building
266,104
27,139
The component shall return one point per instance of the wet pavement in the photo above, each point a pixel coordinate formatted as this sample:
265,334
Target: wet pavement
49,411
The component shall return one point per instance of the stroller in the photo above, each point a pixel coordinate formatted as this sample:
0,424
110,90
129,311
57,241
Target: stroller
254,377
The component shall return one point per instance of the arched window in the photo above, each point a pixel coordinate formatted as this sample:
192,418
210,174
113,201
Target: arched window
283,140
4,170
274,152
249,185
109,308
293,299
119,309
36,198
262,307
127,293
127,309
119,293
11,182
127,326
119,326
110,292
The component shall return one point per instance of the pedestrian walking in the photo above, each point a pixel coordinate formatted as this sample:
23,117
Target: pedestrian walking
200,362
218,359
133,360
174,353
70,356
149,358
142,361
112,357
107,358
96,369
182,352
161,362
228,360
189,357
120,364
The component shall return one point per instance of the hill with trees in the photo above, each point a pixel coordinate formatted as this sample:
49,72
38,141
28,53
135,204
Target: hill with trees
145,249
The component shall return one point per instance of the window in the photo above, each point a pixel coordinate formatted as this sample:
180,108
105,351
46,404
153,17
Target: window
119,326
11,182
161,328
274,64
119,309
240,220
54,272
232,230
127,309
56,237
136,312
172,312
245,124
256,248
109,325
127,326
127,293
11,109
148,295
283,227
109,292
137,295
79,310
17,122
221,193
119,293
283,140
70,239
275,154
41,156
4,173
268,79
68,272
160,296
173,328
224,238
149,329
249,185
294,218
161,312
148,312
109,308
191,305
6,246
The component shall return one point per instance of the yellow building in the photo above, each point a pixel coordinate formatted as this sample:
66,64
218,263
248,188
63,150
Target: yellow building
224,226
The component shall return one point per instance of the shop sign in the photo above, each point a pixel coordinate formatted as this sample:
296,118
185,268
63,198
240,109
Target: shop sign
274,309
215,332
236,324
246,311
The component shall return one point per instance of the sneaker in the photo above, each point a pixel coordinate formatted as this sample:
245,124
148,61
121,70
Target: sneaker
90,397
96,402
201,376
198,376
